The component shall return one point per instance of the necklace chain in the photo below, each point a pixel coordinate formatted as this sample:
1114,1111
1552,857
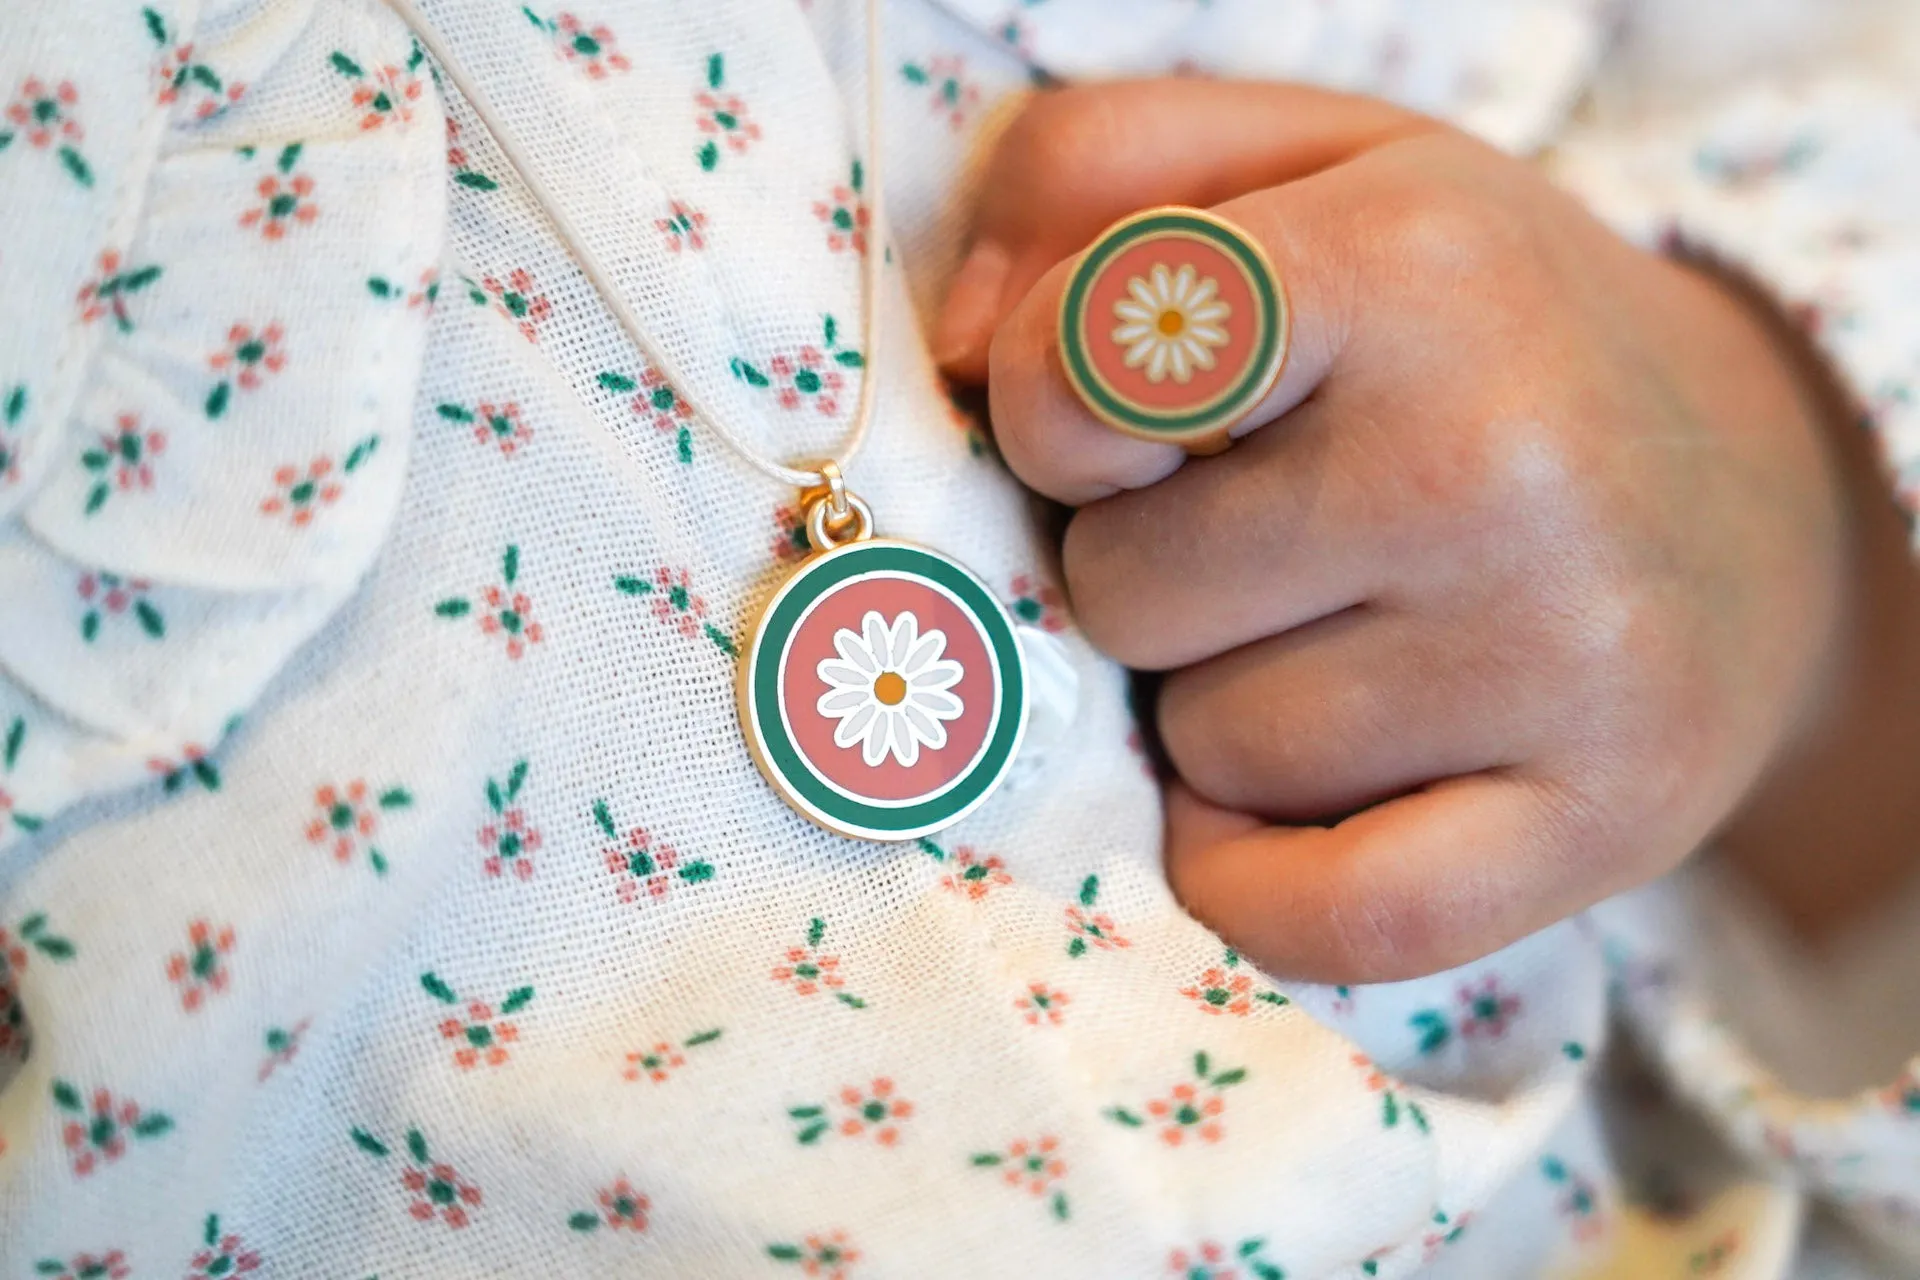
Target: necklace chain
812,476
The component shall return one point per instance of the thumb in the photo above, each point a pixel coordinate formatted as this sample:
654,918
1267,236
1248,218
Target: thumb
1078,159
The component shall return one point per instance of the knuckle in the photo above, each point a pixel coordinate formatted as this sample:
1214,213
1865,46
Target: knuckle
1096,565
1444,225
1064,134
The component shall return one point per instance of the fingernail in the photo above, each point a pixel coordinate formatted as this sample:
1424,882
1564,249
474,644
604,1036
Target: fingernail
973,304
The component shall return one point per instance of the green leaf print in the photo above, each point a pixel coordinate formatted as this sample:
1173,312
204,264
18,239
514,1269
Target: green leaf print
369,1144
156,26
77,166
716,71
346,66
417,1146
584,1222
478,181
617,382
1089,890
16,404
289,156
437,989
1433,1028
747,373
16,735
516,1000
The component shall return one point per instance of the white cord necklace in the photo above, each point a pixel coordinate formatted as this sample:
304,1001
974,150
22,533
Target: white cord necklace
883,691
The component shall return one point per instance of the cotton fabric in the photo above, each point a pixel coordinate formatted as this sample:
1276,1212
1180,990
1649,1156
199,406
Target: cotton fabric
385,888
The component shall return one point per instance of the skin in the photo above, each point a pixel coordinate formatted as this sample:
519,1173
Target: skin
1543,564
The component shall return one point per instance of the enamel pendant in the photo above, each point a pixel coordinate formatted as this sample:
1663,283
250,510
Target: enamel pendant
1173,326
884,693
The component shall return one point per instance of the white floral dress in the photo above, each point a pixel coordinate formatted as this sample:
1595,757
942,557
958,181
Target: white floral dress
385,888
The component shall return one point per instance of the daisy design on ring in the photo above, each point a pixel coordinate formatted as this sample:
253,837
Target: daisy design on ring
1169,322
890,689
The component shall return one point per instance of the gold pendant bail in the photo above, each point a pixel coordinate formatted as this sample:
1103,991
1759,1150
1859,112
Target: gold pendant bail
835,514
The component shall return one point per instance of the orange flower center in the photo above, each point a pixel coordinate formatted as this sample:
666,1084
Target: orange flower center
890,688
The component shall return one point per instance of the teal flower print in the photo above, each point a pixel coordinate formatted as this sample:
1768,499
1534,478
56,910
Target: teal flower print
98,1128
828,1256
621,1209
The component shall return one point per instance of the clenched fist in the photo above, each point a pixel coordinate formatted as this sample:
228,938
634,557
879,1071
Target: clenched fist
1535,564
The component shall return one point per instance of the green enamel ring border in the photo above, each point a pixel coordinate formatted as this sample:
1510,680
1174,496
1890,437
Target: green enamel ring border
1227,408
760,687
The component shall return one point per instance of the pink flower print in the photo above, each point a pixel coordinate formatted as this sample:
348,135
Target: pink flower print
806,376
658,400
973,875
111,1265
1218,992
1090,929
656,1064
99,1127
283,1046
790,542
676,605
953,96
108,595
1206,1261
123,460
1038,604
684,227
1094,930
589,48
1186,1110
809,970
1392,1105
517,301
508,839
830,1256
722,117
1043,1005
194,763
428,291
347,818
282,204
438,1190
621,1209
250,355
1902,1097
482,1037
386,94
510,615
1033,1166
846,216
643,866
45,114
201,970
502,610
106,292
875,1110
177,75
302,492
502,426
1486,1009
624,1209
1190,1109
1578,1199
225,1255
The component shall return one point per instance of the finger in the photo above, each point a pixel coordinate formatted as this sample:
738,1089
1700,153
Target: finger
1076,160
1058,446
1344,713
1411,887
1295,524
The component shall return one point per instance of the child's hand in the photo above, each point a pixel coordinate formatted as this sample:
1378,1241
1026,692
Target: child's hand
1533,561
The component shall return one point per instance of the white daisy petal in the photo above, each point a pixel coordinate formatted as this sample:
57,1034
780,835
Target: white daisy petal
1197,355
1162,287
844,675
856,654
1137,354
843,702
943,674
873,746
1125,333
931,646
1207,335
906,631
1201,294
1157,363
1210,313
1138,312
925,728
874,628
1142,295
1177,361
938,704
1183,285
856,726
905,744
